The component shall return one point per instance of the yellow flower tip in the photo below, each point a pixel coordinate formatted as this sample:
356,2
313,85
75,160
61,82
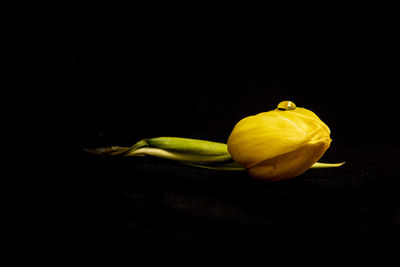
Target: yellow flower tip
279,144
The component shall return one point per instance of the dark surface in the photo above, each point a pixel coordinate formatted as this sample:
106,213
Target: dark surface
195,75
153,203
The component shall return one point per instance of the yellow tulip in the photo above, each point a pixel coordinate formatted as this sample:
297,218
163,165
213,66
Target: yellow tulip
279,144
274,145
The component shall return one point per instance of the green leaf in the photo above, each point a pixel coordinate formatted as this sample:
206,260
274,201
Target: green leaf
320,165
233,166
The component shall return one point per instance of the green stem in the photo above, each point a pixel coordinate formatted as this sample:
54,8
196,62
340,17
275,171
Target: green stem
194,152
190,158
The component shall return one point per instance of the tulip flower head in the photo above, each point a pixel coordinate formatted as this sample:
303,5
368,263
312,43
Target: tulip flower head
279,144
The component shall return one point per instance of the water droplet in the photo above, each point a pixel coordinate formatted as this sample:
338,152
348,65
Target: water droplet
286,105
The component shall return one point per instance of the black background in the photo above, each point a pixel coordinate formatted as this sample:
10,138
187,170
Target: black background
195,74
198,74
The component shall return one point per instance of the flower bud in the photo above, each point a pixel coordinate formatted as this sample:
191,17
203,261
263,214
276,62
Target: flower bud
279,144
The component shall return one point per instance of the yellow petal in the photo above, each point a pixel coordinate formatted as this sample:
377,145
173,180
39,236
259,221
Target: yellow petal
279,144
290,164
